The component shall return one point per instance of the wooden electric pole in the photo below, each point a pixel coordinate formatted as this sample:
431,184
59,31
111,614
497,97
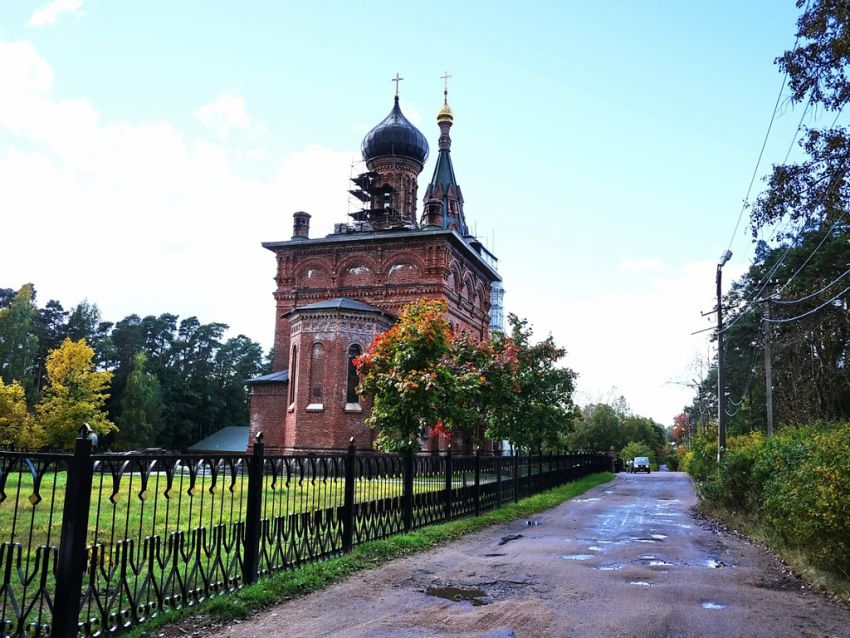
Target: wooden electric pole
721,377
768,381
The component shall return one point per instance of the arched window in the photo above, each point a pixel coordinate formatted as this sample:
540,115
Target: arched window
293,373
351,395
317,373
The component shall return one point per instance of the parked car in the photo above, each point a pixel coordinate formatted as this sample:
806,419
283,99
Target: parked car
640,464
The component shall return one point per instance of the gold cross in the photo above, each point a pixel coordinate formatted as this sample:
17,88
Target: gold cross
445,78
396,79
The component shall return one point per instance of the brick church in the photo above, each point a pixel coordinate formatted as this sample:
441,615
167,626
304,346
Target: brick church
336,293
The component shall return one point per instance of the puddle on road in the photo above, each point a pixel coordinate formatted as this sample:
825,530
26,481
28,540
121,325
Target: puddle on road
532,523
642,583
509,538
586,500
576,556
712,563
711,605
458,594
612,567
660,563
647,540
659,537
648,557
594,548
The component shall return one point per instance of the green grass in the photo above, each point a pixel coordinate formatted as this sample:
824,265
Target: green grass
124,509
797,559
314,576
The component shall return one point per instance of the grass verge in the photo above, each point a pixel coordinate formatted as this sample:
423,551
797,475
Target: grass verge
796,559
314,576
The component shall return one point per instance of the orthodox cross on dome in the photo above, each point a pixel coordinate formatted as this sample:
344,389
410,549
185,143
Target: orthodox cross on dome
445,78
396,79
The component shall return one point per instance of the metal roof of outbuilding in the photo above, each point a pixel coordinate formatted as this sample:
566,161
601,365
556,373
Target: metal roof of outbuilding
233,438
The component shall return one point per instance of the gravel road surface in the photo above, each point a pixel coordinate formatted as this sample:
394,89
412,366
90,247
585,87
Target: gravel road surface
626,559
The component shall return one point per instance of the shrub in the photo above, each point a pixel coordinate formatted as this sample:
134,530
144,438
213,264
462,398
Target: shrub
672,461
797,482
806,474
701,459
734,479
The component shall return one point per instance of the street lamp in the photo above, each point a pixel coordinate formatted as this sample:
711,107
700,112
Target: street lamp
721,386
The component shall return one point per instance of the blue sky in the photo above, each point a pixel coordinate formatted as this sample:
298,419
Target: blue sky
604,149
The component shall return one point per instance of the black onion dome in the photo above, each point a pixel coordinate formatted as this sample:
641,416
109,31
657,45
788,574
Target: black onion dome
395,135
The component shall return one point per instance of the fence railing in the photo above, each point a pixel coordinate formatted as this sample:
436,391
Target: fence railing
91,545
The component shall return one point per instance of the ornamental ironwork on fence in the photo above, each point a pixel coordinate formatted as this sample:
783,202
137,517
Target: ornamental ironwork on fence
92,544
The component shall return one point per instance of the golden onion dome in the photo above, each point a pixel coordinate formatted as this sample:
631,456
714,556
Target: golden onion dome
445,114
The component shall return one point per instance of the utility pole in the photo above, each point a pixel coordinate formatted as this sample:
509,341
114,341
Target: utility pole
768,372
721,380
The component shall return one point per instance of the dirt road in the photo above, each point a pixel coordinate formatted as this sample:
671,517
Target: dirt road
627,559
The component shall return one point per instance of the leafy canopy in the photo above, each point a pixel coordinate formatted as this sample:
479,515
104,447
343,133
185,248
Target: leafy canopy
75,395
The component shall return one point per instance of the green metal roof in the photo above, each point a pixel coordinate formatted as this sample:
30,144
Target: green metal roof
233,438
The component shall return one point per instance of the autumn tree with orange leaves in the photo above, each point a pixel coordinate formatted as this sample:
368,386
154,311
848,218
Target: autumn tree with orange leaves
424,380
406,371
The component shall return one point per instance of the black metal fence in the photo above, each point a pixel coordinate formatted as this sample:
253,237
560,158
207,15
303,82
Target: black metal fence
91,545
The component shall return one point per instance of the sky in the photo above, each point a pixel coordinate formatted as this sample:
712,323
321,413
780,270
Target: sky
604,150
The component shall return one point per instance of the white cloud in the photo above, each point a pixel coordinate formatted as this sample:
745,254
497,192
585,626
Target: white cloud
138,218
640,265
636,339
50,13
226,113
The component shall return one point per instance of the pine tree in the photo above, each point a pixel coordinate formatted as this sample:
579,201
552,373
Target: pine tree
18,343
141,407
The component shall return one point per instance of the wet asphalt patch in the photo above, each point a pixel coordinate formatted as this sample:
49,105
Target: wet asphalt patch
471,595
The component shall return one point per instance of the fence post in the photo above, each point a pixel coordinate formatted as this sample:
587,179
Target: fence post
478,481
540,468
71,560
516,476
559,480
348,507
251,553
449,486
407,489
499,478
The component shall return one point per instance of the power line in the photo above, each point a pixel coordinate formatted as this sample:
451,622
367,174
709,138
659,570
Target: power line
766,279
809,258
814,294
812,311
833,183
763,146
747,384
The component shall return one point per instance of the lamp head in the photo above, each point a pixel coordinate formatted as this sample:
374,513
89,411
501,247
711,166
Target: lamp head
724,258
